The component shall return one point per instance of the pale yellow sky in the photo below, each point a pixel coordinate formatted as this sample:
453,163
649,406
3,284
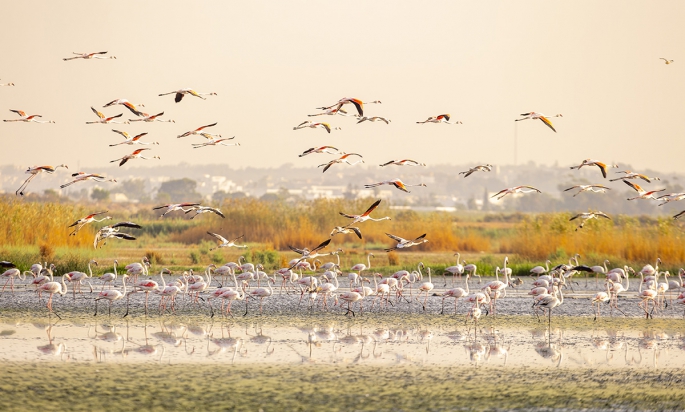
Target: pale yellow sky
274,62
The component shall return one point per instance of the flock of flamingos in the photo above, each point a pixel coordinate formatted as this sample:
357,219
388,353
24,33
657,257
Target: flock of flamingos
322,284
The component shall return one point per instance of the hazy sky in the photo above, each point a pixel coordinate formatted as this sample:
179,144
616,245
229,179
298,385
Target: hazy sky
274,62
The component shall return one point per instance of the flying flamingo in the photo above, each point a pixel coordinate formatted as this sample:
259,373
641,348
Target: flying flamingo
397,183
309,254
442,118
131,140
111,296
135,155
346,230
588,188
584,217
176,206
543,119
404,243
666,61
307,123
513,190
52,288
34,171
478,168
331,112
642,193
374,119
216,142
358,104
88,219
82,177
151,118
26,118
199,131
223,242
104,119
342,159
404,162
182,92
88,56
321,149
365,216
591,162
671,197
205,209
130,106
633,175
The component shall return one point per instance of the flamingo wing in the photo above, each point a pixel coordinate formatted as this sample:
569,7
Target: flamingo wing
372,207
100,115
548,124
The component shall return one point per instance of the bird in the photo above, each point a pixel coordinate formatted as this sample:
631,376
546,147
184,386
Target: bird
359,267
601,297
309,254
588,188
52,288
321,149
516,189
479,168
346,230
7,84
404,243
358,104
666,61
104,119
151,118
83,176
10,274
112,295
331,112
679,215
633,175
342,159
204,209
111,231
584,217
364,216
350,298
642,193
175,206
182,92
109,277
130,106
534,115
590,162
88,219
550,302
215,142
404,162
131,140
35,171
87,56
223,242
135,155
262,293
425,287
441,118
671,197
374,119
199,130
307,123
397,183
26,118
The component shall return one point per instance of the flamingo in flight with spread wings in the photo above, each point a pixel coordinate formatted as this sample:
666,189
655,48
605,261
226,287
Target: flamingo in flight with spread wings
309,124
321,149
633,175
588,188
83,176
88,56
135,155
441,118
405,243
584,217
199,131
397,183
642,193
358,104
26,118
342,159
403,162
516,189
130,106
374,119
223,242
176,206
7,84
35,171
104,119
131,140
180,93
88,219
364,216
591,162
216,142
541,117
151,118
479,168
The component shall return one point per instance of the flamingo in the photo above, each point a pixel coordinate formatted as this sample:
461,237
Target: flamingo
41,278
204,209
676,285
472,269
425,288
591,162
199,130
199,285
642,193
149,285
543,119
441,118
352,297
404,162
182,92
174,207
79,277
374,119
456,270
167,291
588,188
111,296
331,112
346,230
456,294
109,277
397,183
550,302
88,219
478,168
52,288
381,290
151,118
233,294
262,293
223,242
342,159
10,274
130,106
359,267
131,140
633,175
35,171
404,243
649,270
83,176
671,197
308,123
135,155
364,216
89,56
646,296
499,288
602,297
309,254
539,270
216,142
104,119
328,289
358,104
597,270
26,118
321,149
111,231
584,217
666,61
513,190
